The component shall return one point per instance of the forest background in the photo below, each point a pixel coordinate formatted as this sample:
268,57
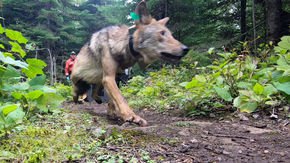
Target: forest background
57,27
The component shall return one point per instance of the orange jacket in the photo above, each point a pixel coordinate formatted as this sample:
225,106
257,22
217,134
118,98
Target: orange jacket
69,65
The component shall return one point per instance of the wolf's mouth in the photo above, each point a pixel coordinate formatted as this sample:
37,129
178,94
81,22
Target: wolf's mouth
170,56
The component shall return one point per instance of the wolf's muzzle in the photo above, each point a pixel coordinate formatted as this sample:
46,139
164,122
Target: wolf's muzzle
185,50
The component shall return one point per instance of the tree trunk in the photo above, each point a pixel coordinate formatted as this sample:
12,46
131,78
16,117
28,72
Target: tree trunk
166,8
274,10
243,22
254,24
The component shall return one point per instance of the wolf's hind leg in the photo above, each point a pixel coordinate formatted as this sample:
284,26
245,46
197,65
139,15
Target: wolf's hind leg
79,88
96,93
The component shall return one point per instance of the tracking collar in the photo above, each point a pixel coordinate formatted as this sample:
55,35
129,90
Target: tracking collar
131,47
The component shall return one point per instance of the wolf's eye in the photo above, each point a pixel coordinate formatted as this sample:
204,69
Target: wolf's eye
162,33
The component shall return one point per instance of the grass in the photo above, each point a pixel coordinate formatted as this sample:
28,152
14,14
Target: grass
72,136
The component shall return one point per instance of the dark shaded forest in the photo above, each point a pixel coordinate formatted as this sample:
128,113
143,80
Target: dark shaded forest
62,26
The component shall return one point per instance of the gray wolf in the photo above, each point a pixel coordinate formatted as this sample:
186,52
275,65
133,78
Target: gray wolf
112,49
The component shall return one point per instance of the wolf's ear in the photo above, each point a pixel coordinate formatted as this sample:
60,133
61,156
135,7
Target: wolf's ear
141,10
163,21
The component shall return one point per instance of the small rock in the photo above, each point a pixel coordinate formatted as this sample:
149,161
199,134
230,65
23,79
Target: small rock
256,116
252,140
194,140
282,154
280,109
243,117
211,115
266,151
240,151
226,152
184,132
260,125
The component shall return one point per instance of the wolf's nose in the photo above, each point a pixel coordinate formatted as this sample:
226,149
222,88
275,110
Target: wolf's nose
185,50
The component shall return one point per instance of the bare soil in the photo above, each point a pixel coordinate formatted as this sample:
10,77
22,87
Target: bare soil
171,137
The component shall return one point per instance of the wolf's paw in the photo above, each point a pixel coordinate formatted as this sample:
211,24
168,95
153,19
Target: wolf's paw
137,120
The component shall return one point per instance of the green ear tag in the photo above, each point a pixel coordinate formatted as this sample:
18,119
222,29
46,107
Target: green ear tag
134,16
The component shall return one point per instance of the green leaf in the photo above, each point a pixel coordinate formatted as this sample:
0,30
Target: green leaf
183,84
245,85
285,42
200,78
38,80
8,109
211,50
44,88
269,90
272,103
2,30
11,72
237,101
258,88
35,67
2,46
248,107
282,61
284,87
223,93
285,69
16,36
17,48
246,93
6,154
15,117
16,87
17,95
9,60
197,81
49,101
7,54
34,95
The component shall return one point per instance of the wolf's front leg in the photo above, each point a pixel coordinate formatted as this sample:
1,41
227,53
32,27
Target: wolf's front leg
120,106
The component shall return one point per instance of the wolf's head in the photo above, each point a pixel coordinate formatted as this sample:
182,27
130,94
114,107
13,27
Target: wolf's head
153,40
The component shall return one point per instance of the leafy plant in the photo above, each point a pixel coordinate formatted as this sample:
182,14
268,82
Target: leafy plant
10,116
234,79
22,82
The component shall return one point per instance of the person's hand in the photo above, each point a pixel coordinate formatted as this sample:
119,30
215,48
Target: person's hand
67,78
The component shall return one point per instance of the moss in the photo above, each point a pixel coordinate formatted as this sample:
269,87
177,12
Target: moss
56,139
139,138
72,136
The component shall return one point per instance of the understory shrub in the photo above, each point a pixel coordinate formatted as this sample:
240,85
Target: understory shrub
23,89
234,79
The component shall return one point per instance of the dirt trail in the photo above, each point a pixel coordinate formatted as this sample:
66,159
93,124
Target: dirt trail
171,138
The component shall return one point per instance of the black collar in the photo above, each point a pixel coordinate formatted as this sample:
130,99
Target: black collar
131,47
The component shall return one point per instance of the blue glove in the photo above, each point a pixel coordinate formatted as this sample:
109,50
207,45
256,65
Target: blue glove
67,78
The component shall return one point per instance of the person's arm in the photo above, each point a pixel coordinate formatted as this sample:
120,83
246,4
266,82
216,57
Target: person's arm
66,70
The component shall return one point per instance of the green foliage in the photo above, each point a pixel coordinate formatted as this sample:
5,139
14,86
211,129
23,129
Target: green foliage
22,84
160,90
10,116
64,90
237,80
72,137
